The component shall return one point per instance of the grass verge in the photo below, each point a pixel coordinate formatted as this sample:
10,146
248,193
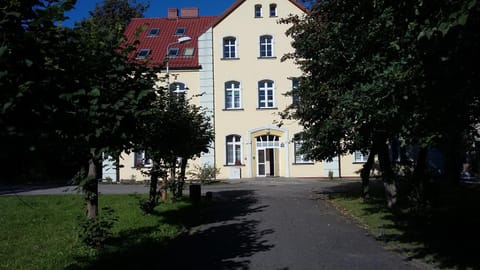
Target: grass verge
445,236
41,232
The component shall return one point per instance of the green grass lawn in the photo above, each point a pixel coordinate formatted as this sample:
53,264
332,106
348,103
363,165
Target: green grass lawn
446,236
41,232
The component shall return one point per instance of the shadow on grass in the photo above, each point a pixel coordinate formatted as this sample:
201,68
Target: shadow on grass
220,237
446,235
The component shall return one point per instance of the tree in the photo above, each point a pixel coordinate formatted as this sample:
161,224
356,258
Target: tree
170,130
370,77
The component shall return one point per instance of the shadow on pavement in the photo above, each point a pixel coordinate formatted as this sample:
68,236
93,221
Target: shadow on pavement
220,237
6,189
446,234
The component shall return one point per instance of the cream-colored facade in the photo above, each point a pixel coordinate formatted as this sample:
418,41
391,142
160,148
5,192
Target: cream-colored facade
243,82
250,83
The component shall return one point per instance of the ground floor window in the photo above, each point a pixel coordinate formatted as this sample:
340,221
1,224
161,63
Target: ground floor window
234,150
141,159
300,157
359,157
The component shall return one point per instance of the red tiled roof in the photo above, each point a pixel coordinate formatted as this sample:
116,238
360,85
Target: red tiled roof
158,44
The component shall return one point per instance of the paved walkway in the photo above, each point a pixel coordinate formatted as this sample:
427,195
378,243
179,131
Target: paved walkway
278,224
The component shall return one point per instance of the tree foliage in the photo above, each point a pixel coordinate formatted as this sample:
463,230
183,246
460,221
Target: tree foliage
380,71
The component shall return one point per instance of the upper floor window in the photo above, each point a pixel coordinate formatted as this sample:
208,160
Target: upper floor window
180,31
153,32
232,95
295,96
178,88
258,11
266,94
266,46
143,53
229,47
273,10
234,150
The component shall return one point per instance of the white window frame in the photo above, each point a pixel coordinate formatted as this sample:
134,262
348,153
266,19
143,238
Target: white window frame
156,30
298,157
140,160
258,11
143,53
229,47
236,92
268,101
231,143
178,88
189,52
266,44
273,7
359,157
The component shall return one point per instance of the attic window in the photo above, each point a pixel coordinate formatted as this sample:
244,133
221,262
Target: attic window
180,31
172,52
153,32
143,53
188,51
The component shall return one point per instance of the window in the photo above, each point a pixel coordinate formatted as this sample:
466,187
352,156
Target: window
141,160
178,88
153,32
300,156
266,46
180,31
188,51
265,94
229,47
143,53
232,95
295,97
234,150
258,11
172,52
273,10
359,157
268,141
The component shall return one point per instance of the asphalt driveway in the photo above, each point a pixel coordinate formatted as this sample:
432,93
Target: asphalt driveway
267,224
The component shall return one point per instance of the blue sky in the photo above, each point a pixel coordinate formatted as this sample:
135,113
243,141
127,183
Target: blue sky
158,8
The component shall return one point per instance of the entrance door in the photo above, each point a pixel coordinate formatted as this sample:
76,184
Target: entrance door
266,162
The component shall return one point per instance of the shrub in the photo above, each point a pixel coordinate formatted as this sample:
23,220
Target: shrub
205,173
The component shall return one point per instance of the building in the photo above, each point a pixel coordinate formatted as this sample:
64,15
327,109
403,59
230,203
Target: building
236,62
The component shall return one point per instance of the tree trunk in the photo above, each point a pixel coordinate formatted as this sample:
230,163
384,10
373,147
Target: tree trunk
164,188
90,188
181,179
387,172
365,173
153,194
419,171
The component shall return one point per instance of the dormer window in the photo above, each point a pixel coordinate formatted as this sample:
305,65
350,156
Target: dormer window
143,53
188,51
180,31
258,11
153,32
273,10
172,52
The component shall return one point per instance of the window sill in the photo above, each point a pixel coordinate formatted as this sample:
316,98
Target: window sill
258,17
303,163
231,165
233,109
230,58
267,109
358,162
267,57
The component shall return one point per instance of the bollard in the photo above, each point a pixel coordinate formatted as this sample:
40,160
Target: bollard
195,192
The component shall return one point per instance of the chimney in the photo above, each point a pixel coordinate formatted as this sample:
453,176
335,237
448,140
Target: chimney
173,13
191,12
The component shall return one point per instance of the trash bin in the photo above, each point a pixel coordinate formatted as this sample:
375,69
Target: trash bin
195,192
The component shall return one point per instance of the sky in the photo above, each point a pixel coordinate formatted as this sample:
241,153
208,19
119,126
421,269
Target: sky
158,8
